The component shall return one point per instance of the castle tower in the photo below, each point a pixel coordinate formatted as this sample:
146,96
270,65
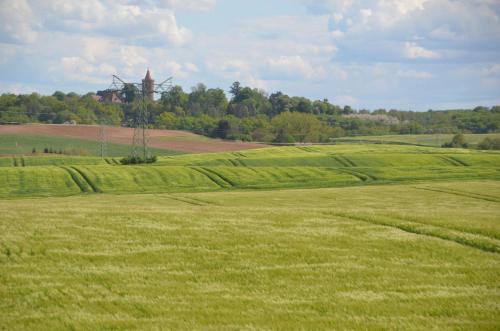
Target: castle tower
148,86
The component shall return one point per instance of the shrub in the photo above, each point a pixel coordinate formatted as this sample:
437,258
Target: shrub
489,143
45,150
458,141
33,151
138,160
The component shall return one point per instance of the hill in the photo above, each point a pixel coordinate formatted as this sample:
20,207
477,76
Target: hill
81,135
265,168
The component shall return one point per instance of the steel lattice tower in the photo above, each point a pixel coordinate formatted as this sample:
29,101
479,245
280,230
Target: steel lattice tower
145,91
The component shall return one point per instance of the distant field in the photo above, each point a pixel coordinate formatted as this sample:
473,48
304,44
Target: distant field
24,144
170,140
269,168
398,257
435,140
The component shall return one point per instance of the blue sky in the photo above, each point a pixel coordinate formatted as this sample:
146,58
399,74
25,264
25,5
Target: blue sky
404,54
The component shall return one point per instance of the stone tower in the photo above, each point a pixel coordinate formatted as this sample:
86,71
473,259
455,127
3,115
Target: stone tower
148,86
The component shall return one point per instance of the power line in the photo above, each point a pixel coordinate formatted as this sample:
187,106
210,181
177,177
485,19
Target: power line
146,91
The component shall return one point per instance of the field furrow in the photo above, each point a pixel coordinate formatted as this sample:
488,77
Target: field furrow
468,239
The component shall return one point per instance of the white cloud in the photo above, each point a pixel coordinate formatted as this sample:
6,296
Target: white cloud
443,32
17,22
413,51
292,66
79,69
167,26
194,5
149,22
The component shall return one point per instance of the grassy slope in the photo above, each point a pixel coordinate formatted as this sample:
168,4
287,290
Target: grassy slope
376,257
23,145
435,140
280,167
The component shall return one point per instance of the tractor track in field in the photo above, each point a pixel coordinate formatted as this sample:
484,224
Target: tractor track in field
358,174
213,176
233,162
223,178
341,161
87,179
307,149
188,201
456,159
239,154
453,161
463,194
349,161
473,240
77,179
344,161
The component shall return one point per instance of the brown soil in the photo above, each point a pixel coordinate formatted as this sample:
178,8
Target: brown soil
192,143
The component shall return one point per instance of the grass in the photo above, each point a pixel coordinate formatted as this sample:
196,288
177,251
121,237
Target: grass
412,256
23,145
435,140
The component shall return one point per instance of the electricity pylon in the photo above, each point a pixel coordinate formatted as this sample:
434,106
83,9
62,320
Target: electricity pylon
145,92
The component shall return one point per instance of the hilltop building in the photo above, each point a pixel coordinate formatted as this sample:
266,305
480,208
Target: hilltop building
109,96
114,96
148,87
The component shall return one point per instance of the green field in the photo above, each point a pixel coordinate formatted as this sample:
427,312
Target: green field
357,237
24,144
434,140
377,257
268,168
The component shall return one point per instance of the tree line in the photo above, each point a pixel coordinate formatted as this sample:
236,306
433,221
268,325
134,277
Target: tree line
248,114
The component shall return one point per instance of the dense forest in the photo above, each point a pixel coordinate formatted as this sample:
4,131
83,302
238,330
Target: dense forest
249,114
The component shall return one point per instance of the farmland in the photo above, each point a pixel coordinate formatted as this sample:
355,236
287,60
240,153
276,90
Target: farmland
14,144
434,140
305,237
374,257
269,168
19,139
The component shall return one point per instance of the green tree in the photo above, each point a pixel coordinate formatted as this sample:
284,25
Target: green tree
302,127
130,93
174,98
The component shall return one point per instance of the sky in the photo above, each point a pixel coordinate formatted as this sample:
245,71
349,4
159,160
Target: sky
402,54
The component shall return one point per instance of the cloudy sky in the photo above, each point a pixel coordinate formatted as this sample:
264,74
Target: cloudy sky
404,54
